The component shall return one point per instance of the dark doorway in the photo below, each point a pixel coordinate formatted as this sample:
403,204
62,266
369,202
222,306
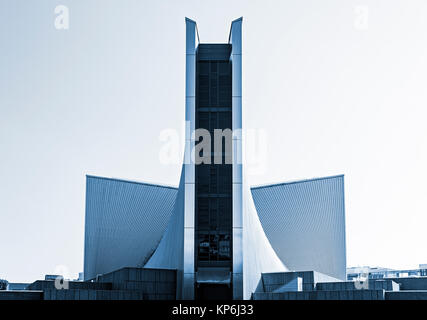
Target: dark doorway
214,292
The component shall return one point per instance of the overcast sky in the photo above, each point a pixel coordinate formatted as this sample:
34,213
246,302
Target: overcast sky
337,87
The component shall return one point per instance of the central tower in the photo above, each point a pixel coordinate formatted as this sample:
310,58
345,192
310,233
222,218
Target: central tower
213,217
214,238
213,183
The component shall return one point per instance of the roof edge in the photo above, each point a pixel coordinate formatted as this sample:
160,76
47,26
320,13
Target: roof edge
190,20
132,181
295,181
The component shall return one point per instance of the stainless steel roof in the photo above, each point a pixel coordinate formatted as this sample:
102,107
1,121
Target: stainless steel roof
305,223
125,220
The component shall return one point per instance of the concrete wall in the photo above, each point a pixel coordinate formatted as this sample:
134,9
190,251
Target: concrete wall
406,295
21,295
123,284
388,285
411,283
153,284
273,281
322,295
53,294
50,284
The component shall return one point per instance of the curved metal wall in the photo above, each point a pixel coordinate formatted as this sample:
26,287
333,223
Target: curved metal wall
258,254
171,253
125,221
305,223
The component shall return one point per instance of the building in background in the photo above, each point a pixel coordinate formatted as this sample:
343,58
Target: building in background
355,273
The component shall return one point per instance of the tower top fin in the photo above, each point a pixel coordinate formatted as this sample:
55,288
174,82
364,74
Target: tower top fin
231,27
188,20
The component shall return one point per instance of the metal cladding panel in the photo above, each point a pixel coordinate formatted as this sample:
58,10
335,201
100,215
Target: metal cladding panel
124,223
305,223
235,39
178,243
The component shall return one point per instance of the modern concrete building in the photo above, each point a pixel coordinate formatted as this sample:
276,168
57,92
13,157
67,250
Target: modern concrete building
125,230
208,229
214,236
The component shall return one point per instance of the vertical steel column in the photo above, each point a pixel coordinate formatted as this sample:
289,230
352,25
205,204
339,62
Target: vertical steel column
189,197
235,40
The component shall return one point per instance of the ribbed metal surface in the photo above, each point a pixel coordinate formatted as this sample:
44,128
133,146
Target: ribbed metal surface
305,223
125,221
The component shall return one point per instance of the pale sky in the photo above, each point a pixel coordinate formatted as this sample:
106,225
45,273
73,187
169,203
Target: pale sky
338,87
